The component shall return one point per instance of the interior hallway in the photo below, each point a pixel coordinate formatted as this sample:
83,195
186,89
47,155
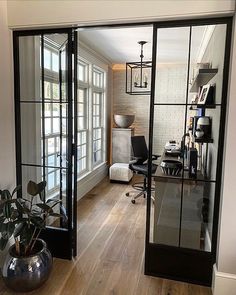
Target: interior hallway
110,259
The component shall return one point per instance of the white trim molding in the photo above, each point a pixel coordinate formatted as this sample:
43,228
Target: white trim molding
90,180
208,32
223,283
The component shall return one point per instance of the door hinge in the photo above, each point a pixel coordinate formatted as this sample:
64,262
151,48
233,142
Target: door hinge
73,149
73,47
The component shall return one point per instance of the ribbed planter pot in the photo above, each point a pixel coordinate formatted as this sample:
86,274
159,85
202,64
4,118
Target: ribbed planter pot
24,274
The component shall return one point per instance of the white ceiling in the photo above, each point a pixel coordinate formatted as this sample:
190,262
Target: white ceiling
119,45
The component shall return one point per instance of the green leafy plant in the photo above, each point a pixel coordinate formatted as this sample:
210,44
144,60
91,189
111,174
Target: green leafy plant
24,218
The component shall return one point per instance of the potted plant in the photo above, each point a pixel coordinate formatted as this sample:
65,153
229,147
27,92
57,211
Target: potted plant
28,262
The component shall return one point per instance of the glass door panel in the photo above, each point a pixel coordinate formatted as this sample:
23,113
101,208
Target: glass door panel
171,65
44,130
188,104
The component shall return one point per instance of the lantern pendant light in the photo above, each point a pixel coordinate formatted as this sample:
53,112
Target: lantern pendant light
138,75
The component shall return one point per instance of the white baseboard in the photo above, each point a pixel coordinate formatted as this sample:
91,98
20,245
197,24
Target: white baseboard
91,180
223,283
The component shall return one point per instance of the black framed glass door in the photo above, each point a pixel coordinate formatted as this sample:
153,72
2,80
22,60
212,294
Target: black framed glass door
189,83
45,106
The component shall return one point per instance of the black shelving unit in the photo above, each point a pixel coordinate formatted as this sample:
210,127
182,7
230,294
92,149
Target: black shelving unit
203,140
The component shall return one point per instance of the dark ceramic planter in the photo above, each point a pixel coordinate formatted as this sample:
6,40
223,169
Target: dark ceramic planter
24,274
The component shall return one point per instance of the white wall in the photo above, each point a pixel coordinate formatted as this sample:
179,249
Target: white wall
45,12
7,150
225,271
93,177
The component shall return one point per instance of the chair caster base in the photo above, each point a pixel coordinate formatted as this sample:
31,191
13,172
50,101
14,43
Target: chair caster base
133,201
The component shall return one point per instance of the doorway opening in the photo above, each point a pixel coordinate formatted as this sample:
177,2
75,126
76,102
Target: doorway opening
69,84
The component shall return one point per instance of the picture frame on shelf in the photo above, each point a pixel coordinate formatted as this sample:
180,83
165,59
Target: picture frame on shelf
204,94
194,99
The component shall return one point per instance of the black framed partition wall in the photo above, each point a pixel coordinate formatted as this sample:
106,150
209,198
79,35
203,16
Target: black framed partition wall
45,71
182,255
182,222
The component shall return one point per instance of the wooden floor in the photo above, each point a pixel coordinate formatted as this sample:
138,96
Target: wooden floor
110,257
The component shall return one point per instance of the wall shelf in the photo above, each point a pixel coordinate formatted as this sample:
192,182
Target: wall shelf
203,140
202,106
203,77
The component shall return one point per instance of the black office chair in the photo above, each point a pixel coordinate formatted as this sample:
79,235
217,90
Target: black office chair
139,165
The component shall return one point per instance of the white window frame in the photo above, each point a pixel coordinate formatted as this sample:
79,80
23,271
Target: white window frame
52,77
88,84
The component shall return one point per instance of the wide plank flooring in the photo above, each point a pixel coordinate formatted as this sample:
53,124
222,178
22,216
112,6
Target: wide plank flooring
110,258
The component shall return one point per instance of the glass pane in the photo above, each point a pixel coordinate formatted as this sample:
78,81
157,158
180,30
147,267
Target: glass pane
197,215
64,125
48,110
56,47
31,173
50,145
165,224
64,152
96,110
96,121
82,72
55,62
81,109
81,95
207,64
30,68
84,136
50,181
47,89
81,123
83,164
97,133
97,156
172,65
47,59
97,145
168,126
83,150
53,191
203,127
97,78
32,137
55,110
31,133
55,91
51,160
56,125
48,126
96,98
